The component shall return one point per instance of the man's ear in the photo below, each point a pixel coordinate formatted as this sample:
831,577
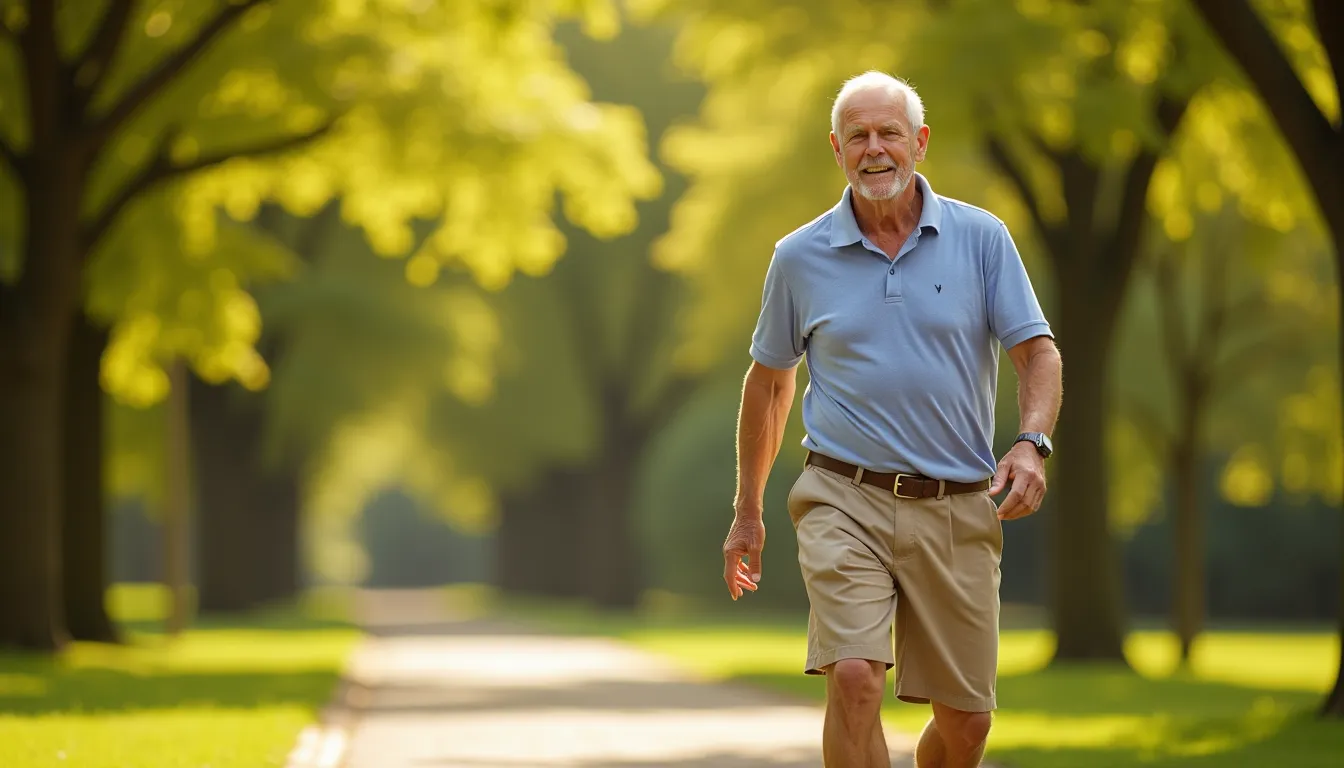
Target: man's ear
921,143
835,150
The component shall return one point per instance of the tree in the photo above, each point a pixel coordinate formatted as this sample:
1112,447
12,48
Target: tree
239,102
249,495
1303,92
566,518
1232,348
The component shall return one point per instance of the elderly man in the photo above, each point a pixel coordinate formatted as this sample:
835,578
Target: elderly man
899,298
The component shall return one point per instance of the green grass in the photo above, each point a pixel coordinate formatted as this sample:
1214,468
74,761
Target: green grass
223,695
1247,700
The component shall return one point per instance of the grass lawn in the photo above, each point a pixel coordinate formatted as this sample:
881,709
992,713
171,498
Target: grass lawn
1248,700
222,695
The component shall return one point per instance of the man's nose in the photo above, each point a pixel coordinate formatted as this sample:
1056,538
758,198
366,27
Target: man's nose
874,146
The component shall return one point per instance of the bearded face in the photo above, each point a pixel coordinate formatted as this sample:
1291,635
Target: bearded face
877,147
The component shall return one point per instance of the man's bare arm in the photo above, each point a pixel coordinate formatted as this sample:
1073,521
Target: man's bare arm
767,397
1039,383
1039,393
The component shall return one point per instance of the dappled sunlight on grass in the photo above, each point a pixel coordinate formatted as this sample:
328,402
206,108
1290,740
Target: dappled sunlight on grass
224,694
1245,700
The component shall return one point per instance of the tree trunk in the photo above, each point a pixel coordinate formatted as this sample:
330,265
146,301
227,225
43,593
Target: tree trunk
609,552
84,535
612,576
538,541
178,502
1188,553
1316,143
35,318
31,370
279,499
1085,574
247,513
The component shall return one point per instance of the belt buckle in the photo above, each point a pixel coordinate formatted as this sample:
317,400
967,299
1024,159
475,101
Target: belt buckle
896,486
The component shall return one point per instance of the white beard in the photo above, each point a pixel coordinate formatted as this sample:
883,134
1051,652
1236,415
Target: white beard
884,191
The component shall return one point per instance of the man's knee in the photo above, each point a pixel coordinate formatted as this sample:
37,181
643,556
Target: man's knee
962,731
858,682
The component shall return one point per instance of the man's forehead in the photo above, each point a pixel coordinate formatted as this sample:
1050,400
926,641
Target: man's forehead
873,107
886,116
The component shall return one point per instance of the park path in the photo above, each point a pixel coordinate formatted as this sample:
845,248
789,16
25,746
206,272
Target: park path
427,691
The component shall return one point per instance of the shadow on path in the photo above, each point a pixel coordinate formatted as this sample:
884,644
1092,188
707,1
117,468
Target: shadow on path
431,693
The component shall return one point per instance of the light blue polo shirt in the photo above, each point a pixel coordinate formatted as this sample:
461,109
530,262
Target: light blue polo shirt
902,355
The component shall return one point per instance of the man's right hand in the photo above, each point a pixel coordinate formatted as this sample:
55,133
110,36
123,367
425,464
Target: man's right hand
746,538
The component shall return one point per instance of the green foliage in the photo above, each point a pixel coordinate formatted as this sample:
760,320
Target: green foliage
1279,312
228,696
546,363
437,111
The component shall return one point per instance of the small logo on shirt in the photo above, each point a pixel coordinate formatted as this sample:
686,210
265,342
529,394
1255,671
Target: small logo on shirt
939,287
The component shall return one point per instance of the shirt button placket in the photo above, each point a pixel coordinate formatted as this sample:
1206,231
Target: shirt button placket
893,283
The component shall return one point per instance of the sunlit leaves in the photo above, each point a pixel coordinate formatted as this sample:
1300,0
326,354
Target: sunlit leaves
1246,480
1290,21
463,113
1280,310
1228,147
167,297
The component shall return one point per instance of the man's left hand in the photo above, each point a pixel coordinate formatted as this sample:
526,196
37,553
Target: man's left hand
1025,469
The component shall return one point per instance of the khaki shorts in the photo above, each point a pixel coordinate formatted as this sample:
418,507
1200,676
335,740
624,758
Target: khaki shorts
930,565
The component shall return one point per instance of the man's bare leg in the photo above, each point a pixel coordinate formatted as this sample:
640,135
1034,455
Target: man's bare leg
953,739
852,736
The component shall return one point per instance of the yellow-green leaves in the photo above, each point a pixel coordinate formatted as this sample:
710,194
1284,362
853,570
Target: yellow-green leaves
464,114
167,295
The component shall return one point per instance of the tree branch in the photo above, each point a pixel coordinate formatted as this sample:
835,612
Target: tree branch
1045,149
998,153
98,57
159,76
1329,16
1252,45
1132,213
162,169
1218,306
1173,330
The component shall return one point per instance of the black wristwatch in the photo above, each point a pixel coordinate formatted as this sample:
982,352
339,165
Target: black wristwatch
1039,440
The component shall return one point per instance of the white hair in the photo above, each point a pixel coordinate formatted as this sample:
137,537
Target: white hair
894,87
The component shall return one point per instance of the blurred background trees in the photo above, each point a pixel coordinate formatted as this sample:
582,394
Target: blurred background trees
464,292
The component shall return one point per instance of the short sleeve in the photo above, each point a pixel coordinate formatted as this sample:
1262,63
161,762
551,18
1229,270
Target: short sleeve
778,341
1014,313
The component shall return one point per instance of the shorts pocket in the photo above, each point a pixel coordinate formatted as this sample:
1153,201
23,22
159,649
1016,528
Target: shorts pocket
797,506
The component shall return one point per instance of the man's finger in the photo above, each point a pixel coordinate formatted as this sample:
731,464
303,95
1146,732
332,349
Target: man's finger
731,560
1023,488
754,567
1000,480
1009,506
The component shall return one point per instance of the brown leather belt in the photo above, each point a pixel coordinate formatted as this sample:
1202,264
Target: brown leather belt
902,484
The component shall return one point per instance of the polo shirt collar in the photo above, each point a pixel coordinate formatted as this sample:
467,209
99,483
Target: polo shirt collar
845,228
